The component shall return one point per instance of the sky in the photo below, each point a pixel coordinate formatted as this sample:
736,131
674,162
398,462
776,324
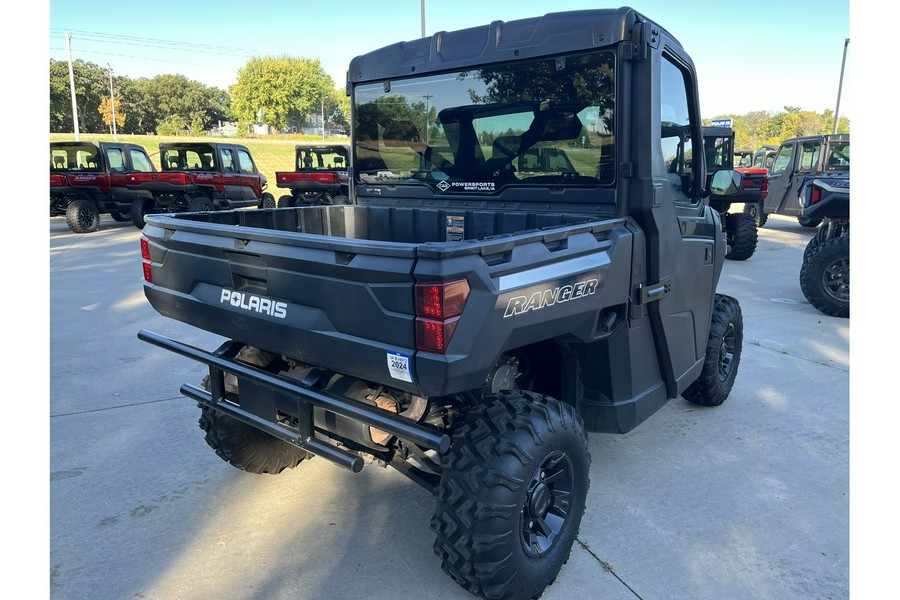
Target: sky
761,55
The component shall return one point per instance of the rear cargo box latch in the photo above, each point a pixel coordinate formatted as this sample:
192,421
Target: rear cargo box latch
656,291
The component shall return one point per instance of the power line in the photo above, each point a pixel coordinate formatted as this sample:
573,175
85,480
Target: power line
109,38
162,60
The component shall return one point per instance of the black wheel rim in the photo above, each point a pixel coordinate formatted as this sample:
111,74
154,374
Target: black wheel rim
547,503
726,353
86,218
836,279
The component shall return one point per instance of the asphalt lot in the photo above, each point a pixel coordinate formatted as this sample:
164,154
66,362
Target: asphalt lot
750,500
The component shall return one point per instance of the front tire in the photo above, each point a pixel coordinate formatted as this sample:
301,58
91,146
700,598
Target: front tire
723,355
267,201
741,236
754,211
82,216
511,495
825,276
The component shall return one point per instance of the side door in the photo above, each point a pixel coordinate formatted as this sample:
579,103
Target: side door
780,177
251,185
115,158
684,234
231,175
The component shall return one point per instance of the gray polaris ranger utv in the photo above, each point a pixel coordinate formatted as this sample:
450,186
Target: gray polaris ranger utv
473,313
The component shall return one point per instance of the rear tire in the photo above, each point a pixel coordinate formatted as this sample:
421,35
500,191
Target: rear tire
140,208
340,200
83,216
825,276
808,222
285,202
120,216
741,236
246,447
200,204
511,495
723,355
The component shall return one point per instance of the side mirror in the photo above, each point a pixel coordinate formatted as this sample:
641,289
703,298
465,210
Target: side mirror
726,183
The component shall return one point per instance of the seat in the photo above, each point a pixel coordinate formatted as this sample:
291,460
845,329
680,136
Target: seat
503,150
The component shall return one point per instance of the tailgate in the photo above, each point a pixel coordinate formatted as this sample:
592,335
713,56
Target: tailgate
348,304
336,303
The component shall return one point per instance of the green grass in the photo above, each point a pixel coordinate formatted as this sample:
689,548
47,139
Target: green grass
271,154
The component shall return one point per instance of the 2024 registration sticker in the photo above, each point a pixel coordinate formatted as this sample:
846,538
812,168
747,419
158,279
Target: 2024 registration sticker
398,365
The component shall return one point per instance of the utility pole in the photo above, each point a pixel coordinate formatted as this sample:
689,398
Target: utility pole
423,18
112,102
72,84
837,109
323,118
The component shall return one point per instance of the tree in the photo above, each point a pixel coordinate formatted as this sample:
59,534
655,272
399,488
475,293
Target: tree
91,84
170,99
283,88
106,109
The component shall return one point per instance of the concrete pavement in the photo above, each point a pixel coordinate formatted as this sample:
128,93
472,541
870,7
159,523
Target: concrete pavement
749,500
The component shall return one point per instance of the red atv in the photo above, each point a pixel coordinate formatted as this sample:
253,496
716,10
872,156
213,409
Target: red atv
88,179
200,177
319,176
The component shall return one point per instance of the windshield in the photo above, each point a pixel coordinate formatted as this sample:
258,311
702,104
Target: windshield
542,121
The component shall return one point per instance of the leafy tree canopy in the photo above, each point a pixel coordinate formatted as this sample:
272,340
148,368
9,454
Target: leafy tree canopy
280,89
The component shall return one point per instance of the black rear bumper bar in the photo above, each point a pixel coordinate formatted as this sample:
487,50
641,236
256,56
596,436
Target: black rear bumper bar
302,436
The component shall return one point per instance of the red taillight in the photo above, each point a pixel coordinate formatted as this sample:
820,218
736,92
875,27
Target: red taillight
441,300
145,256
765,188
815,194
438,307
434,336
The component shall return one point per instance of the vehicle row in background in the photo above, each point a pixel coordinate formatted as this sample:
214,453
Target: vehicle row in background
88,179
792,164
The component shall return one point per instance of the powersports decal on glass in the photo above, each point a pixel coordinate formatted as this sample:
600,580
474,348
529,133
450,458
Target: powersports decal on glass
398,365
253,303
467,186
537,300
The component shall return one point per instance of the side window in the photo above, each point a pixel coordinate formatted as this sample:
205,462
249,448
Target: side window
676,143
140,162
245,161
227,157
116,160
809,155
782,159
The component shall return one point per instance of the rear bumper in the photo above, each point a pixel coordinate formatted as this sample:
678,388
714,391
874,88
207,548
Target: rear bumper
262,393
